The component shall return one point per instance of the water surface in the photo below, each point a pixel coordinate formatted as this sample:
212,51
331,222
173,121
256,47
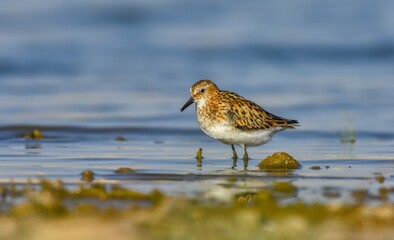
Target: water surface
85,72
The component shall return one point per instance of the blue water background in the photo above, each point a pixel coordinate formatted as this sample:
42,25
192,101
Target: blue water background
132,63
87,71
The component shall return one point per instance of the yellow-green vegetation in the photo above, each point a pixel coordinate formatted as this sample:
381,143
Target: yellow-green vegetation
277,192
3,191
315,167
361,195
279,161
199,155
36,135
87,176
284,187
380,178
124,170
52,198
52,211
384,192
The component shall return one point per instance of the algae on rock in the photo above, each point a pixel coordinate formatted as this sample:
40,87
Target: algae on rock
279,161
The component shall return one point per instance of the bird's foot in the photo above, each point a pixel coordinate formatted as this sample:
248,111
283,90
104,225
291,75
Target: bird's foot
235,158
246,161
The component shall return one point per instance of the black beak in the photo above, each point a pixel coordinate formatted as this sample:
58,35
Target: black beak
188,103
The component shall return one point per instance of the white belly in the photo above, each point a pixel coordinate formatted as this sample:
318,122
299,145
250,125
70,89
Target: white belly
229,135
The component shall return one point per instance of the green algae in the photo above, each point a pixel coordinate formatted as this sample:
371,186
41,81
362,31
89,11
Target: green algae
275,193
3,191
263,196
199,157
46,214
315,167
380,178
124,170
87,176
183,219
279,161
35,134
362,196
52,198
96,190
284,187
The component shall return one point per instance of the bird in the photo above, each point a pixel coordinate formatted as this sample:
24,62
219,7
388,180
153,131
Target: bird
233,119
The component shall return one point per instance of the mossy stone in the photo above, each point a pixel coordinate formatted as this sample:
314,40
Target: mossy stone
87,176
279,161
124,170
36,135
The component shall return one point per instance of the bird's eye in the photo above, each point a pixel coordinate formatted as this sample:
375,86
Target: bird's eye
202,90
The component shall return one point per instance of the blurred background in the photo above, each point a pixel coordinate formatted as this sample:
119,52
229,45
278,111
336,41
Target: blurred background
131,63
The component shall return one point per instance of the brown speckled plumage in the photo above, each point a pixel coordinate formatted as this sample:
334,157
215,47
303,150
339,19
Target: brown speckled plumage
239,112
248,116
232,119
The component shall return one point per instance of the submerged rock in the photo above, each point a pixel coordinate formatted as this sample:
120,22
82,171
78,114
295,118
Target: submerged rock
380,178
87,176
279,161
36,135
315,167
124,170
120,139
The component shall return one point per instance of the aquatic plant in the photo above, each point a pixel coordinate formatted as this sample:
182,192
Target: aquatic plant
199,157
348,135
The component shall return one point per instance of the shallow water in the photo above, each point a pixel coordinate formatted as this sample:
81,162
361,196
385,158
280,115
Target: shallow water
87,72
165,159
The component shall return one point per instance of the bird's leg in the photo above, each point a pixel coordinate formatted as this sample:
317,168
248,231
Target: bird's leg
235,157
246,158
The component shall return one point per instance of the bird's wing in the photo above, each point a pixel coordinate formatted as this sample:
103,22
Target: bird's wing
248,116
